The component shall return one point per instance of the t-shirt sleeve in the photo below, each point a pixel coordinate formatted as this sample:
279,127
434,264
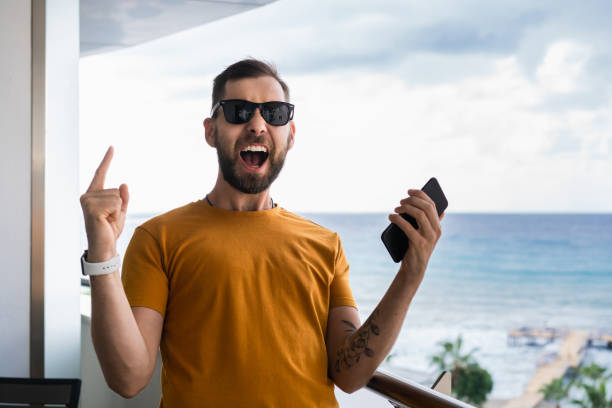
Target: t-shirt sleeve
144,280
340,291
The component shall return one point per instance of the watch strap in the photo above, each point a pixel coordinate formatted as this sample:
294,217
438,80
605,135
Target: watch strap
99,268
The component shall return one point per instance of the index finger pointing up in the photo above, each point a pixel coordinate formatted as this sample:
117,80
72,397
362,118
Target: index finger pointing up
98,180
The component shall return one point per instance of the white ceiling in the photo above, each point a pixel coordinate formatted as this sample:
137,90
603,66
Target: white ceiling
112,24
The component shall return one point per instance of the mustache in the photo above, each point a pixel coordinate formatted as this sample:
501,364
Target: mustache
248,139
254,139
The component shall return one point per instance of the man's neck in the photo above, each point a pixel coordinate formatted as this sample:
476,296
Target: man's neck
228,198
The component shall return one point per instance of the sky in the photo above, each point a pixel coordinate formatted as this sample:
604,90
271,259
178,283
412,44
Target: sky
507,103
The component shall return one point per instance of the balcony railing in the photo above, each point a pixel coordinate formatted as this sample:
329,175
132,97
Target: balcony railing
406,393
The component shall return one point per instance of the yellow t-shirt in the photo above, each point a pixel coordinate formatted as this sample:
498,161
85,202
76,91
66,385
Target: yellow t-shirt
245,297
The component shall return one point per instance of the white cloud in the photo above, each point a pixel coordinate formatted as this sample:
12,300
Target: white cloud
562,66
365,138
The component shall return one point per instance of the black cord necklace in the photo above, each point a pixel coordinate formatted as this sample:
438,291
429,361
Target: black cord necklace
211,204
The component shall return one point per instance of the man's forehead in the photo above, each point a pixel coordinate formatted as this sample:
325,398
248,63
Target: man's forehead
259,89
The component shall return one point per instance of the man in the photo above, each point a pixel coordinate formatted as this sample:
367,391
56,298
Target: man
249,304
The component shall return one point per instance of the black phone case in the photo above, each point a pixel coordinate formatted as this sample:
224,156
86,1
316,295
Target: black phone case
394,238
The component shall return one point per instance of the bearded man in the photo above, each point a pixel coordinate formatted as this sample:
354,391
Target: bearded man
248,303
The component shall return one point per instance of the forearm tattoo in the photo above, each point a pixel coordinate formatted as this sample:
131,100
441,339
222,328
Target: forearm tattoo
357,344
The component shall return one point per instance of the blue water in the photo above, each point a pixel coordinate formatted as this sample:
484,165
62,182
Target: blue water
489,274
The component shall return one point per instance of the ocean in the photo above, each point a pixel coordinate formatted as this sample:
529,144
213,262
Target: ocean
489,274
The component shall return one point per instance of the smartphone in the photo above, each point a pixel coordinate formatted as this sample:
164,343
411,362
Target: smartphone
394,238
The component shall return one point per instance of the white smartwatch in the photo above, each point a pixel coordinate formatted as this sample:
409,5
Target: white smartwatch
99,268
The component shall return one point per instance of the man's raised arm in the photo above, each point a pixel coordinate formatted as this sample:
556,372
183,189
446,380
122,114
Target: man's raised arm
355,351
125,339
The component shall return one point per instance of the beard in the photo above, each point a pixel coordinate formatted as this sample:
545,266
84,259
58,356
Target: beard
243,181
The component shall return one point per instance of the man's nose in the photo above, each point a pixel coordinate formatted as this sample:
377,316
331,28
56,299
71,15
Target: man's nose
257,124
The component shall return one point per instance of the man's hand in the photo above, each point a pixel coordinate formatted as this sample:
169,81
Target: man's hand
104,211
422,241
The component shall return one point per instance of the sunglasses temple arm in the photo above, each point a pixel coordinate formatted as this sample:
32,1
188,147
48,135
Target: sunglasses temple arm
214,108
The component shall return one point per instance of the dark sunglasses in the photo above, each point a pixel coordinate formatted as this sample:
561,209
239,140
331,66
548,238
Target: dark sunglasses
238,111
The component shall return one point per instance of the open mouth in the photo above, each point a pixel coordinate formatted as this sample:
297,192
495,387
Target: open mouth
254,156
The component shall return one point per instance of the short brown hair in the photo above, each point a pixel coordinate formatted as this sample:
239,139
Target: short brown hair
247,68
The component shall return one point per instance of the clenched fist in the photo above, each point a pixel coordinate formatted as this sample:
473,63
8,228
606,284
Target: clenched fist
104,211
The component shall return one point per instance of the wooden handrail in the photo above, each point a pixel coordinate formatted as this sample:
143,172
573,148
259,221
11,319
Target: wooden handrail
406,393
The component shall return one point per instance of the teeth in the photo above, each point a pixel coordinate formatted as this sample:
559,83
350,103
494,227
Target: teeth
255,148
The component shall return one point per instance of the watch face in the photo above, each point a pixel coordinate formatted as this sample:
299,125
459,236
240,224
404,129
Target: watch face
82,262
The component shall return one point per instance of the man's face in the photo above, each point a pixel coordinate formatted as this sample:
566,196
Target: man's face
252,154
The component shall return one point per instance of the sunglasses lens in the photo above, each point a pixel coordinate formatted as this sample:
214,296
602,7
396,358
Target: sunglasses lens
276,113
237,112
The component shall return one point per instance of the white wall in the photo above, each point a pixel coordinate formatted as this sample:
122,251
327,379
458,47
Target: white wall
15,164
62,208
55,102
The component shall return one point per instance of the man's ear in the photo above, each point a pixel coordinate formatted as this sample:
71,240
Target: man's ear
291,135
209,132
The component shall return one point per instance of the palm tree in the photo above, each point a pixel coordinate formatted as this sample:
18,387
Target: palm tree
591,379
555,391
450,358
470,382
595,388
595,396
594,372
